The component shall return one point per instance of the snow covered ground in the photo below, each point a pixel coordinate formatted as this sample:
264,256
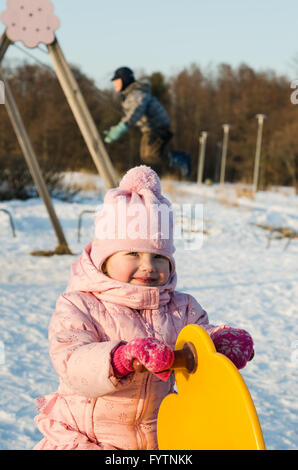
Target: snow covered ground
235,277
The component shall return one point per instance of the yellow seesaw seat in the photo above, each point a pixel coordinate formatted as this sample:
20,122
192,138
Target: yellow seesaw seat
213,409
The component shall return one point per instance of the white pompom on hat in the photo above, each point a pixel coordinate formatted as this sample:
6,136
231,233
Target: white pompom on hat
134,217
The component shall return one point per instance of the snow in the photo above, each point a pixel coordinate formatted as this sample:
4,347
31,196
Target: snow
233,275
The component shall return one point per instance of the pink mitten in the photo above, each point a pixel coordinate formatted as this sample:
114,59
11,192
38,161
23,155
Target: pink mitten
236,344
155,355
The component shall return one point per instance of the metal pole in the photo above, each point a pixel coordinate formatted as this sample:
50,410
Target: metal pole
217,161
32,163
82,115
4,44
260,118
202,140
226,128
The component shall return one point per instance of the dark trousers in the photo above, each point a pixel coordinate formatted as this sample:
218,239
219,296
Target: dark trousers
153,151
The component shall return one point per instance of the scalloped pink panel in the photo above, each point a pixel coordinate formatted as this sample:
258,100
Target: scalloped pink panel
30,21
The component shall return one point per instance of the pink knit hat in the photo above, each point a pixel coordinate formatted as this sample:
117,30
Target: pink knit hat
135,217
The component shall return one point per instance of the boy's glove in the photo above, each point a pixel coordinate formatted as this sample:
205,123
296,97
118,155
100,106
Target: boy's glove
236,344
155,356
115,132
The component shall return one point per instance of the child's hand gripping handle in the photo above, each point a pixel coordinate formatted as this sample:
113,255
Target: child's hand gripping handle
234,343
185,358
150,355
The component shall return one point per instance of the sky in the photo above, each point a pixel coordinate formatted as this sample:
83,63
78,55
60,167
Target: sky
169,35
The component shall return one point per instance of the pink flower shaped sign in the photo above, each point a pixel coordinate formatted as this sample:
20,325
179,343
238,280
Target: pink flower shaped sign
30,21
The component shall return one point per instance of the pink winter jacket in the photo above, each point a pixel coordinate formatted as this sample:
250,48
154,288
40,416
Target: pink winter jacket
92,409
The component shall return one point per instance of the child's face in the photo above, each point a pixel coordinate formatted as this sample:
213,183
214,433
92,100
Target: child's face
142,269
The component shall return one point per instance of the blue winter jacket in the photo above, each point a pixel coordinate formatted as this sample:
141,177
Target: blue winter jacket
143,110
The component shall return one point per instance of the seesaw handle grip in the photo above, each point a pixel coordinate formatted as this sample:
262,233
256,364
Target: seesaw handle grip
185,358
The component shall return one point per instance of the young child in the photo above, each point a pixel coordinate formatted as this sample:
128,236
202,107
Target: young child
121,305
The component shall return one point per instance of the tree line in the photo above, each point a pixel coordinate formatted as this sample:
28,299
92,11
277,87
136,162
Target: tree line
197,100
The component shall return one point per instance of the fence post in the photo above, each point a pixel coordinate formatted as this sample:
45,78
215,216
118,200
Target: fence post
226,128
202,140
260,118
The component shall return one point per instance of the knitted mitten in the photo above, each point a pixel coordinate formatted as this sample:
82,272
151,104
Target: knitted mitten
155,356
236,344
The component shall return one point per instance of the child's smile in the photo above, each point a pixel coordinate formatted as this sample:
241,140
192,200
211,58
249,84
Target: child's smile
147,269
